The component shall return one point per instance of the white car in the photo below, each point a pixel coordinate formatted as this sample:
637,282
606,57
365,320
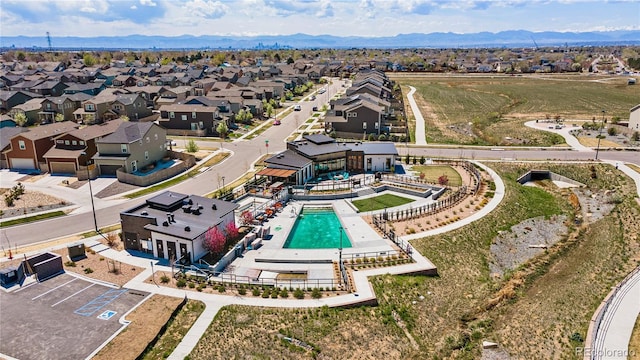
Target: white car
297,108
322,91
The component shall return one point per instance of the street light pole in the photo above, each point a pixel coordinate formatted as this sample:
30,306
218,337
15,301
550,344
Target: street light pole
340,252
223,185
600,135
93,207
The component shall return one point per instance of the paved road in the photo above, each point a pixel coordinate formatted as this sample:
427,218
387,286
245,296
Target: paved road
244,153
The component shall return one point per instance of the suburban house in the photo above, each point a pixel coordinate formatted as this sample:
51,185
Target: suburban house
30,109
51,106
133,146
355,119
92,89
132,106
196,120
96,110
9,99
27,149
634,118
173,225
74,148
318,154
5,142
50,88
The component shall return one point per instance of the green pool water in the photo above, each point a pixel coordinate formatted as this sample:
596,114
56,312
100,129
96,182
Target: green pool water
317,228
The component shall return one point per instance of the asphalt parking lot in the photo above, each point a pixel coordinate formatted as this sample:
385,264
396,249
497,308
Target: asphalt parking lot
64,317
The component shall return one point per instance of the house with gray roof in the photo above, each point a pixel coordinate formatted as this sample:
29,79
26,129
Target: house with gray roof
133,146
173,226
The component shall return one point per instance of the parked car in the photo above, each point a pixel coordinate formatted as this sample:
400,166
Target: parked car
276,122
313,97
297,108
315,108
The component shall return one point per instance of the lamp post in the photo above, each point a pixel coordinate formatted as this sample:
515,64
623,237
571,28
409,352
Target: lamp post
340,252
600,135
223,185
93,207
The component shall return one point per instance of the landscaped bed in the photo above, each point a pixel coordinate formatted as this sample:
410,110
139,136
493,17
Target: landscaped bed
380,202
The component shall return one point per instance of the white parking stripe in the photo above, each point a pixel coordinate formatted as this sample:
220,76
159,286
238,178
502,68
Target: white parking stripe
55,288
72,295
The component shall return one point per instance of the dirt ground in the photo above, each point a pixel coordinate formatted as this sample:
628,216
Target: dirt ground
146,322
29,202
101,268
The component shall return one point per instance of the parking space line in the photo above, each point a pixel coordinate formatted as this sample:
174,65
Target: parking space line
55,288
72,295
98,303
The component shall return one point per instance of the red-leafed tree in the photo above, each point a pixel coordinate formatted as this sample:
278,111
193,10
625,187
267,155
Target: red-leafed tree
247,217
443,180
232,231
214,240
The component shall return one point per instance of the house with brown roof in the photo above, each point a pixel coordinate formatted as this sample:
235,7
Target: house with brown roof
27,149
73,149
132,106
5,142
96,110
51,106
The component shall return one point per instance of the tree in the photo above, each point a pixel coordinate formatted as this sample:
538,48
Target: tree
231,230
59,118
612,131
88,60
124,118
192,146
244,116
214,240
269,110
443,180
222,129
20,119
635,136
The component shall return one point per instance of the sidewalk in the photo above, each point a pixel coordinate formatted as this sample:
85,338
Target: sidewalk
421,137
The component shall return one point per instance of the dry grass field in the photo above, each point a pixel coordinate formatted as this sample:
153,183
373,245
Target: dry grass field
539,310
490,110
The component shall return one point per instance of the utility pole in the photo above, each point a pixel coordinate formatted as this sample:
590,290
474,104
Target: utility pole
600,135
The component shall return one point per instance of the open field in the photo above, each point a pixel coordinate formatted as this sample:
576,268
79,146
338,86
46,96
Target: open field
433,172
380,202
540,309
593,142
486,110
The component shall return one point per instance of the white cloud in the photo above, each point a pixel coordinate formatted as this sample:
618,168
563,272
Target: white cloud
133,7
206,8
86,6
326,10
368,8
147,3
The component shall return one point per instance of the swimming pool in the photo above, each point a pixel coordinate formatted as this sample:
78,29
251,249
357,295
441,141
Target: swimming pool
317,228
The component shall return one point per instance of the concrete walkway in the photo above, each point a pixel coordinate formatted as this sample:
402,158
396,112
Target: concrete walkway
421,136
609,338
565,132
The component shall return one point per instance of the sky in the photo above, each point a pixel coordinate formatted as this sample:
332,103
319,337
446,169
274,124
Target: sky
371,18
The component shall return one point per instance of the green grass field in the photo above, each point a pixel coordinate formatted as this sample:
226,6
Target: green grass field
433,172
380,202
495,107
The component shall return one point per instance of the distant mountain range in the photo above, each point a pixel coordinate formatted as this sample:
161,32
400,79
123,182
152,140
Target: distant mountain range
513,38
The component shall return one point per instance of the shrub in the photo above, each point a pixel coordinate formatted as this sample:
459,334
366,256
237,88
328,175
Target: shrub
191,285
266,293
255,292
274,293
200,287
192,146
164,279
316,294
298,294
242,290
181,283
70,264
88,270
284,293
221,288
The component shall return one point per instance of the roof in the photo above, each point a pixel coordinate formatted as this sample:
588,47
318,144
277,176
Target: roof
7,133
31,104
63,153
189,108
49,130
210,213
97,131
282,173
126,99
307,148
288,158
127,133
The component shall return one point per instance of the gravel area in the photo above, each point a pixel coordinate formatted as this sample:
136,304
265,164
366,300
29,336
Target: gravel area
525,240
116,188
30,202
594,205
494,354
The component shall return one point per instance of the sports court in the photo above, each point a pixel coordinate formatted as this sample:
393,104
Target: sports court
65,317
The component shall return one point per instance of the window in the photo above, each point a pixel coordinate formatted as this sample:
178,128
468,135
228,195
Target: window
48,106
364,126
146,155
22,145
155,136
123,148
184,117
60,141
81,142
193,114
134,166
376,125
172,114
89,107
74,142
66,142
352,114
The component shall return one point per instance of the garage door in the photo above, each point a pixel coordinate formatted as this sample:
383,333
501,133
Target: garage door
109,169
17,163
62,168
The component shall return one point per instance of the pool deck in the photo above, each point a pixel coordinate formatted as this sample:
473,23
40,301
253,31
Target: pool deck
272,257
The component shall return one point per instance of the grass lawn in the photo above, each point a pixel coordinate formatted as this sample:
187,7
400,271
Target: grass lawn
497,106
593,142
433,172
544,306
380,202
33,218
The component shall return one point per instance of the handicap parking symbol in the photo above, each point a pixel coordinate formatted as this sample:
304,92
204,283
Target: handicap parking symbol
106,315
